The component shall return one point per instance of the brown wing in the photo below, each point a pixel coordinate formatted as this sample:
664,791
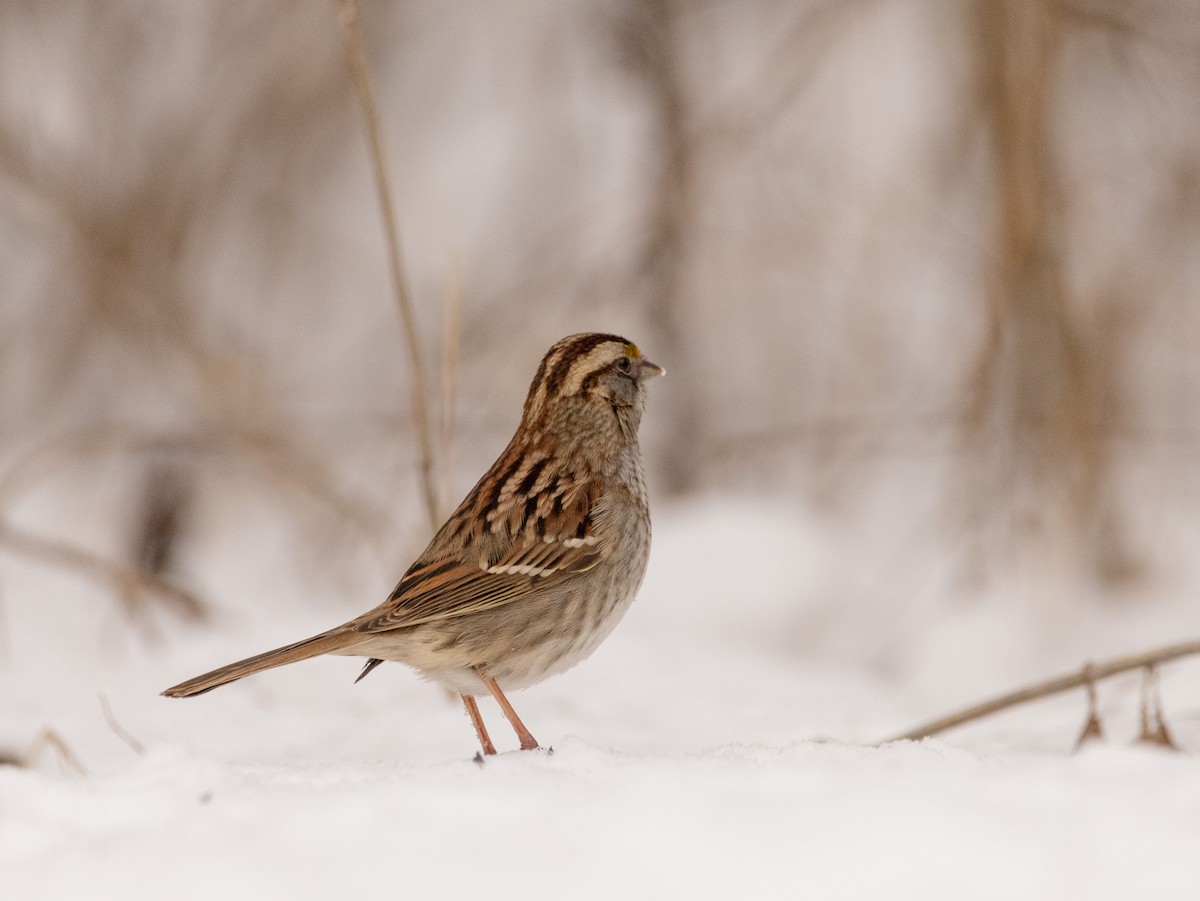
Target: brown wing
549,539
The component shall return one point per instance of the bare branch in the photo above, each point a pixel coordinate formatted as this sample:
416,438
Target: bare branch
1092,672
282,460
125,580
351,24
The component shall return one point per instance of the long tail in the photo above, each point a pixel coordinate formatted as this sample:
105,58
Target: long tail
301,650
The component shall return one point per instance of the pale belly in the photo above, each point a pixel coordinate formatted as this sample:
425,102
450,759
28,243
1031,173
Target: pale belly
518,645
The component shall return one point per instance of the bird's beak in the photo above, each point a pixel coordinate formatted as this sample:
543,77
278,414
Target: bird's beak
648,370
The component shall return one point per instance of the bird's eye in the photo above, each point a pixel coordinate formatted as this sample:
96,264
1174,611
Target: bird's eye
624,364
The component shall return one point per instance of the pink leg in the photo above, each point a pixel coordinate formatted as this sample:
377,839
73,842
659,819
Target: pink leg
528,742
477,721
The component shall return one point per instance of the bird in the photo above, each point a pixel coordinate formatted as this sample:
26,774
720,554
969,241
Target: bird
539,562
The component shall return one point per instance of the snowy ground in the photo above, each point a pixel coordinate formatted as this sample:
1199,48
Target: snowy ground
719,745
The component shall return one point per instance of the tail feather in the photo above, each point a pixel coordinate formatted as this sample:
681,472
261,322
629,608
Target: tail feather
324,643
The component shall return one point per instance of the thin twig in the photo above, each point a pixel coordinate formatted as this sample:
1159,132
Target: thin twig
450,347
1093,728
50,738
124,579
351,24
47,738
120,731
1093,672
1151,719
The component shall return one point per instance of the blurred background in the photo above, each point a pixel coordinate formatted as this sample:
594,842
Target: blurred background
923,273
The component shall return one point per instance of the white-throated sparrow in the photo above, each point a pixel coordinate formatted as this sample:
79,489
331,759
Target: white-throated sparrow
537,564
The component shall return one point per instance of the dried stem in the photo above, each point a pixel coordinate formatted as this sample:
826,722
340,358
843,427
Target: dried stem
120,731
351,25
52,739
124,579
1093,729
1092,672
451,340
47,738
652,44
1152,721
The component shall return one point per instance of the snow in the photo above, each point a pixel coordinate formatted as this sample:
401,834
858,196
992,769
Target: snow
843,821
720,744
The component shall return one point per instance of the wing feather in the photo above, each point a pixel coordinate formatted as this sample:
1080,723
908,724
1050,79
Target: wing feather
533,545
